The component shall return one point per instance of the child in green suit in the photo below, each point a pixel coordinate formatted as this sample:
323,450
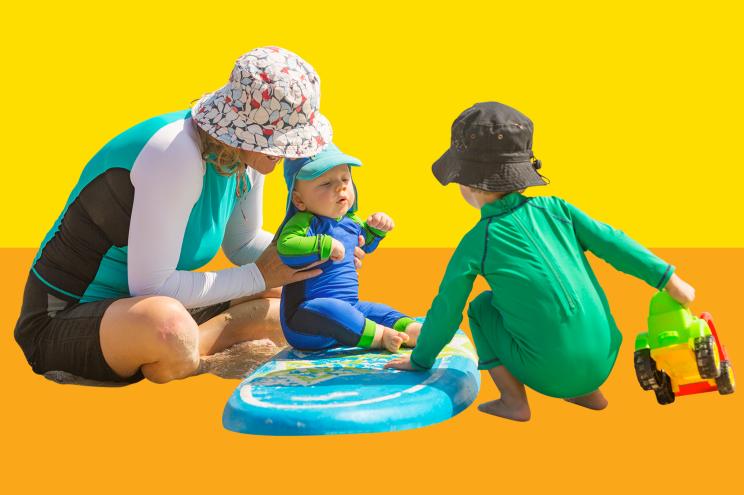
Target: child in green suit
546,322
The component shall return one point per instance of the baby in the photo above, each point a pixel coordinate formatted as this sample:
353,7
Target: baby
546,322
321,224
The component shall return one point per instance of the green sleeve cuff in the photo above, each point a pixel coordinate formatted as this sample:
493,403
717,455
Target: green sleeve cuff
378,233
665,277
400,325
368,333
325,245
417,366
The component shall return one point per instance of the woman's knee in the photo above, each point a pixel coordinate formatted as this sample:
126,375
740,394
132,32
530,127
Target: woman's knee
151,333
169,327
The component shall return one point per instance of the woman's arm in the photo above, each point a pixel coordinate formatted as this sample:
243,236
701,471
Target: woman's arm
167,179
244,239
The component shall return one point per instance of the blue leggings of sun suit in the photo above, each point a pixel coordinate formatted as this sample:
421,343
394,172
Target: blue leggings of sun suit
325,311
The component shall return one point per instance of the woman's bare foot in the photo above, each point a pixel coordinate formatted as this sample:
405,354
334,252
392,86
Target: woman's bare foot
412,330
519,411
392,339
595,401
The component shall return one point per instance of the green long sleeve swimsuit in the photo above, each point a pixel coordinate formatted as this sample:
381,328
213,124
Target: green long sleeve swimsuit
546,318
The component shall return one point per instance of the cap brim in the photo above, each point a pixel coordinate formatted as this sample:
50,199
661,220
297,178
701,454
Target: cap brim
495,177
319,166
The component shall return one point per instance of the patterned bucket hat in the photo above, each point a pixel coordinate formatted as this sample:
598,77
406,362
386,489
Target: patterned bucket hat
270,105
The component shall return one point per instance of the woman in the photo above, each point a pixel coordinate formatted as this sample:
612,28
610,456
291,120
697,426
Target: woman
111,295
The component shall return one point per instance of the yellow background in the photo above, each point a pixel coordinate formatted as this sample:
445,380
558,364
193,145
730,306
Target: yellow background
637,108
637,105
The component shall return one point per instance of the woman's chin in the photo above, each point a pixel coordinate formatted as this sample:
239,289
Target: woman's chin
264,168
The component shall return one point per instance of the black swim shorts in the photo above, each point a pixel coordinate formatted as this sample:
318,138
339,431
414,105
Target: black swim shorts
63,335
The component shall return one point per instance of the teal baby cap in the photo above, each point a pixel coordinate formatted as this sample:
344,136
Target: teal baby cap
313,167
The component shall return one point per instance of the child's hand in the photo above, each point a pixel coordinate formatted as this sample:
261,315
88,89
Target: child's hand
337,250
401,363
680,290
381,221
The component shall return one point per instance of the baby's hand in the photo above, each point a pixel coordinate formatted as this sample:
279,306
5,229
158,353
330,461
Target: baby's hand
401,363
337,250
680,290
381,221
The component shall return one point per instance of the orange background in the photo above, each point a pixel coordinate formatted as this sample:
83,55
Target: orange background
147,438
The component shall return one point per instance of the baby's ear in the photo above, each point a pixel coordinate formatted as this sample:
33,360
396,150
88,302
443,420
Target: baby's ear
297,201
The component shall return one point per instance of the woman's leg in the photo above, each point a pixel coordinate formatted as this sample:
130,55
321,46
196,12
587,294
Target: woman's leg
160,337
155,334
246,319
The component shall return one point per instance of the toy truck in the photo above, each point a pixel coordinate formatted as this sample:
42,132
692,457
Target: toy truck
680,354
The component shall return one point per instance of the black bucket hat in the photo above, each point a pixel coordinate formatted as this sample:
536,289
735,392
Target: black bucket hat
491,149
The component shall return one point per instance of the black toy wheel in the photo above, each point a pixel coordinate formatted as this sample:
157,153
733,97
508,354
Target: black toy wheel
645,367
725,381
664,394
705,356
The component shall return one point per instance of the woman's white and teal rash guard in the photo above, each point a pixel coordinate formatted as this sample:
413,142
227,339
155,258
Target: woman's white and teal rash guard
148,210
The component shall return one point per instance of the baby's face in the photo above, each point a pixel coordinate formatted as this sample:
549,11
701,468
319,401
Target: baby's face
330,195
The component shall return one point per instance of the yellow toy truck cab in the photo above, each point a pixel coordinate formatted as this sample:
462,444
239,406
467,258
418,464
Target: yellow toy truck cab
680,354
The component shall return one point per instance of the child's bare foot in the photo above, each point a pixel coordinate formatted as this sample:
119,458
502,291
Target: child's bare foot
518,412
392,339
412,330
513,403
595,401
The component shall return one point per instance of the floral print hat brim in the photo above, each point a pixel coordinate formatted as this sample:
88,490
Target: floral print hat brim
270,105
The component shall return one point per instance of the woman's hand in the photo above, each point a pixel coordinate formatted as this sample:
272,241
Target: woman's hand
359,253
277,274
401,363
681,291
381,221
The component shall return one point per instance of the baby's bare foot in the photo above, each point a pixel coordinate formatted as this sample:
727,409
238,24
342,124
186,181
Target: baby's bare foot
412,330
516,412
392,339
595,401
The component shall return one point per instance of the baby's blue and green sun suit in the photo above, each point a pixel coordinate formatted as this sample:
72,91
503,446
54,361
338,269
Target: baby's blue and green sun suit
546,318
325,311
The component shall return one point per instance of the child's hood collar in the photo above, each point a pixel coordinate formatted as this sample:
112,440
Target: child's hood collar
503,204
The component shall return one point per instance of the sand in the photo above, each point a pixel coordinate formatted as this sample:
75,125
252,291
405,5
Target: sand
233,363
